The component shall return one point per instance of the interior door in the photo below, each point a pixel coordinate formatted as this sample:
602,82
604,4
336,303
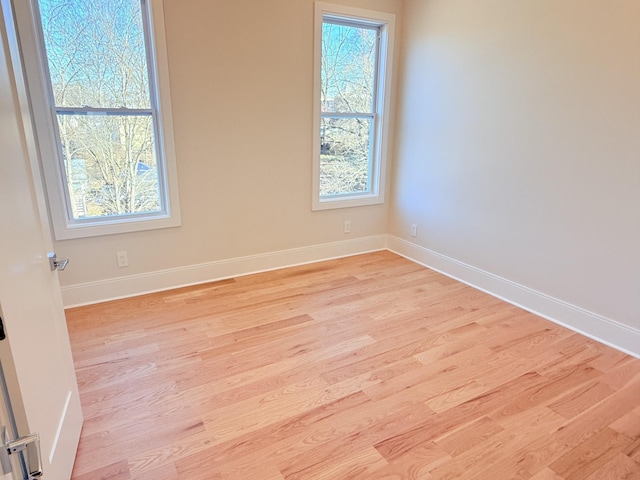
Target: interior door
36,355
5,422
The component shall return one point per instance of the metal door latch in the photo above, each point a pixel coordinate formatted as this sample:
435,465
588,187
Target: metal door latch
57,263
28,447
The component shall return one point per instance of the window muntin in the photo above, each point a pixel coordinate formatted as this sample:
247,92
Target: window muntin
110,164
349,71
353,61
345,154
96,53
349,67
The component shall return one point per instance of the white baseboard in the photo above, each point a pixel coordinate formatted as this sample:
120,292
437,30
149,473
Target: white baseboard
133,285
592,325
602,329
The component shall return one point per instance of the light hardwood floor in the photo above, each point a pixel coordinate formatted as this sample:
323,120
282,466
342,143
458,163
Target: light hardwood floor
369,367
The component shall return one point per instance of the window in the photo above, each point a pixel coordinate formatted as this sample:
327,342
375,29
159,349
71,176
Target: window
354,48
95,72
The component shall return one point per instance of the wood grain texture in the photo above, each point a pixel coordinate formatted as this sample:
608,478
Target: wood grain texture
367,367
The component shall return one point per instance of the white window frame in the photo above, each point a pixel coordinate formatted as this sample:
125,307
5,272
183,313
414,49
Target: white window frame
380,142
43,112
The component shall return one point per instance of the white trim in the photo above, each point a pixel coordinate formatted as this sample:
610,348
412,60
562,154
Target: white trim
605,330
383,104
164,110
133,285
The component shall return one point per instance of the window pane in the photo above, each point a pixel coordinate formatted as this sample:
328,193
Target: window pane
348,68
96,53
110,164
345,159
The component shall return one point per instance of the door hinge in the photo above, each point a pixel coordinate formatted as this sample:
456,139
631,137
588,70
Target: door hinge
28,448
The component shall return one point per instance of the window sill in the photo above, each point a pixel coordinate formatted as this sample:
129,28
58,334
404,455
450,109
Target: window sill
346,202
99,228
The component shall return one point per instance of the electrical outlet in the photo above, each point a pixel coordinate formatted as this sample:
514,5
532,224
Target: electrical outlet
123,259
347,226
414,230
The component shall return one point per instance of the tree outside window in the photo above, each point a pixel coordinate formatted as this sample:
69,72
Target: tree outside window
97,62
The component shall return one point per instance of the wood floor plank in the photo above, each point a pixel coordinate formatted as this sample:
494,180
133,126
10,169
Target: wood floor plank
620,467
498,447
114,471
282,366
633,451
416,465
629,424
366,367
166,472
590,455
372,424
264,471
262,410
470,435
433,427
283,439
544,450
547,474
581,398
354,464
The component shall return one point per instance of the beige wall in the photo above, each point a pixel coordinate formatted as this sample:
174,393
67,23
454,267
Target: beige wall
241,76
519,144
